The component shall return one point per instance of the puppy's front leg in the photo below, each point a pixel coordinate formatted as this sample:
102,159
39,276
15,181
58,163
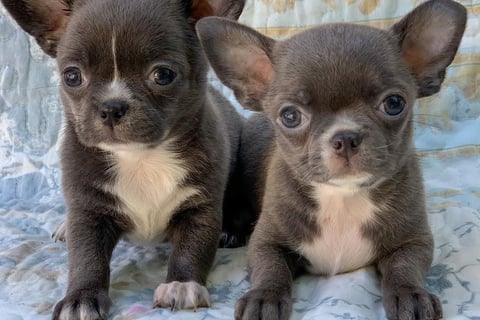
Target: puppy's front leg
403,276
91,239
194,235
271,281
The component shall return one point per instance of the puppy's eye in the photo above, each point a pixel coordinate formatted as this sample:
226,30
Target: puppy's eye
72,77
393,105
290,117
163,76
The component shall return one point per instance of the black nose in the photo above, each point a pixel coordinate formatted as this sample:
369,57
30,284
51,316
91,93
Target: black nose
347,143
112,111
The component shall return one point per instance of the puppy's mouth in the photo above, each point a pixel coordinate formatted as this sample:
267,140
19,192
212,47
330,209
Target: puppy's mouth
101,134
112,135
112,140
127,132
343,167
344,172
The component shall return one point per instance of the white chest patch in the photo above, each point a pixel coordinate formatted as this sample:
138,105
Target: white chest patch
148,186
341,247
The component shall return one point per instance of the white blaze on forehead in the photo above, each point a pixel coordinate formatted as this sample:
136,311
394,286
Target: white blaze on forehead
116,75
117,89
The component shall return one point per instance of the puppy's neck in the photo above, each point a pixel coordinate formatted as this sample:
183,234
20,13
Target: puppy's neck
343,199
342,212
148,183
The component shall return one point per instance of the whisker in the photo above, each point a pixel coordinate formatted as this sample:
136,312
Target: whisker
428,115
384,146
426,124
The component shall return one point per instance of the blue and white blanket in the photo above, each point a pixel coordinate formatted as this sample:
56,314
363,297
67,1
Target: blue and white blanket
33,268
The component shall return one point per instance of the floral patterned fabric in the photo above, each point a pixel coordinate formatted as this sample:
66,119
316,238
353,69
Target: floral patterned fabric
33,269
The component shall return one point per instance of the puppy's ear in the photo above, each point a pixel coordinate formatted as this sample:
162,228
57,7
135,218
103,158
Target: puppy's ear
429,37
230,9
45,20
241,58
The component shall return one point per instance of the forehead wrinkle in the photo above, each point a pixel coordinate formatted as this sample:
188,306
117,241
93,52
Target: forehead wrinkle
338,71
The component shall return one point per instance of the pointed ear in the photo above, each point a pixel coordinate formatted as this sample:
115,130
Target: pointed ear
44,20
230,9
429,37
241,58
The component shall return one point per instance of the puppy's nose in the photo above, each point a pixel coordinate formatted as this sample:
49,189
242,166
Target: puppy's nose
347,143
112,111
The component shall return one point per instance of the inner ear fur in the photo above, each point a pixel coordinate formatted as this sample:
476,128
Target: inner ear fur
45,20
241,58
429,37
230,9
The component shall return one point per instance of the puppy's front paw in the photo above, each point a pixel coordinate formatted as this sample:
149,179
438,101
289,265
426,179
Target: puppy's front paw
84,305
265,305
232,240
412,303
181,295
60,233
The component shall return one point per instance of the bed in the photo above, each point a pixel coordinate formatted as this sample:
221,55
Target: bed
33,268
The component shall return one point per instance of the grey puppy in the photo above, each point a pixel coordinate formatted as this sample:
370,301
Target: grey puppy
343,184
148,146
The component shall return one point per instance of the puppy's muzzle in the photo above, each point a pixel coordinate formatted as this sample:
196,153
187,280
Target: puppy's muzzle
346,144
112,112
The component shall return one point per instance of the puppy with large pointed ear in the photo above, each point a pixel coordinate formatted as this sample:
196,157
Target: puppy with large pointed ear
47,20
148,145
344,188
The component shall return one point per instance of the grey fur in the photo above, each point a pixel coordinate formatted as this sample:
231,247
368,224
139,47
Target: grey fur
328,71
205,127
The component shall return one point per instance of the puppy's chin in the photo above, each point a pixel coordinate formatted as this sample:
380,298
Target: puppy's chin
349,184
133,146
124,147
353,171
354,181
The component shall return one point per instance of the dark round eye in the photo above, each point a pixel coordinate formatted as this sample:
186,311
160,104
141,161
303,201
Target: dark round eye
393,105
72,77
291,117
163,76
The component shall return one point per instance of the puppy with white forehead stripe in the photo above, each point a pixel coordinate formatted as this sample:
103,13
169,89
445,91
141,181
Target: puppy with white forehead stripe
148,145
343,187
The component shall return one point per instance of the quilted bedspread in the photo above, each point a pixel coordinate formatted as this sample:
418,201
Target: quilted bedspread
33,268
